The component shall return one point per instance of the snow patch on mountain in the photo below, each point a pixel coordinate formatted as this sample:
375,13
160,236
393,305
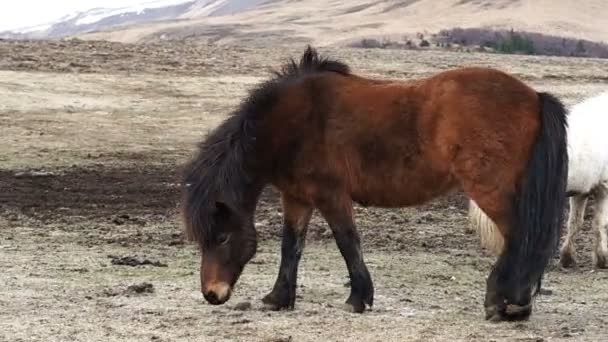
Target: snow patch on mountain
97,14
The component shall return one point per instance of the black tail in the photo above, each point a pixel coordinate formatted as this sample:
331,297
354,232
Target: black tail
538,207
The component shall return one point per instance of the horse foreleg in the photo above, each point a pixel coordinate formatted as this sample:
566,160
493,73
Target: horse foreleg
339,215
576,216
600,243
296,216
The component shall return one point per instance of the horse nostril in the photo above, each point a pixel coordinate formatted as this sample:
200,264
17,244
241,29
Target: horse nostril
211,297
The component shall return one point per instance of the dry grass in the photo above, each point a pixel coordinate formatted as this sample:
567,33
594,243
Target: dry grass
111,141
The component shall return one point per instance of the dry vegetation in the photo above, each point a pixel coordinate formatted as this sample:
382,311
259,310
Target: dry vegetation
93,135
524,43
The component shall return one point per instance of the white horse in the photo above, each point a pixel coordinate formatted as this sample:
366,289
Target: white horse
587,174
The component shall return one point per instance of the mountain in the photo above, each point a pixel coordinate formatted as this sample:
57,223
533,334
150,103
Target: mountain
339,22
101,18
336,22
97,19
211,8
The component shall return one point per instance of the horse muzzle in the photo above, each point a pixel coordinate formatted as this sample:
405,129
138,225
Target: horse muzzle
217,293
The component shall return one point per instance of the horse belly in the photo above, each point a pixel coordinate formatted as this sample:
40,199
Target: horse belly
584,173
402,189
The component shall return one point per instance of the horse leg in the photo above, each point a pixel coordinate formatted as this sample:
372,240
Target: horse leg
339,215
600,243
576,216
296,216
502,302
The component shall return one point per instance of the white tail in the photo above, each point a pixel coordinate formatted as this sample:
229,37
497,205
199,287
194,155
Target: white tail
489,235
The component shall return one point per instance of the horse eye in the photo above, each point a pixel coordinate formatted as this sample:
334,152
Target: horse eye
223,239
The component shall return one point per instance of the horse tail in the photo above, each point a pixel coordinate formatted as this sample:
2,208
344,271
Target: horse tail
489,235
538,203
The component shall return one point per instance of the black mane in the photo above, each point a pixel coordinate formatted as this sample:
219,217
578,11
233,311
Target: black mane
311,62
220,171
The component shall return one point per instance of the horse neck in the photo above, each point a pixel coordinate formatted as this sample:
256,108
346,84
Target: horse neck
251,195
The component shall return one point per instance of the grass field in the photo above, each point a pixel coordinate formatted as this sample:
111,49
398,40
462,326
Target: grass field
92,136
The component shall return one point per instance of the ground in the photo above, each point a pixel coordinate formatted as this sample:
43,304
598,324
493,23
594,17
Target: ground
92,138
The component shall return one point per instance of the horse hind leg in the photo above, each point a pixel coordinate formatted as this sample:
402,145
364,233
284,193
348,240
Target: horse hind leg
600,242
502,302
575,222
296,216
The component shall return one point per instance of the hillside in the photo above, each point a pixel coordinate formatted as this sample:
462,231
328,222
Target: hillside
328,22
337,22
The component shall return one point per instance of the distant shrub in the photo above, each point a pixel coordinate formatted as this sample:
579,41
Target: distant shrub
370,43
424,43
522,42
384,43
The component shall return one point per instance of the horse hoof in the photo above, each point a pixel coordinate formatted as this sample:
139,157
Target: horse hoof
508,313
350,308
354,308
273,303
270,307
493,314
494,318
356,305
567,260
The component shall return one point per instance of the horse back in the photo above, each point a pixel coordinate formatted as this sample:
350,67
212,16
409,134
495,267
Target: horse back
395,143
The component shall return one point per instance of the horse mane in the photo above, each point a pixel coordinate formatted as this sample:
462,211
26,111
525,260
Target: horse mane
311,62
220,170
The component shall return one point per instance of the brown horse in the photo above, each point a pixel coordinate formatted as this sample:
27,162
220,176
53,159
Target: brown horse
325,138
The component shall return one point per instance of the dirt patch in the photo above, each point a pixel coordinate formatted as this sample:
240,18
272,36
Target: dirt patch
99,193
143,193
131,290
134,261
